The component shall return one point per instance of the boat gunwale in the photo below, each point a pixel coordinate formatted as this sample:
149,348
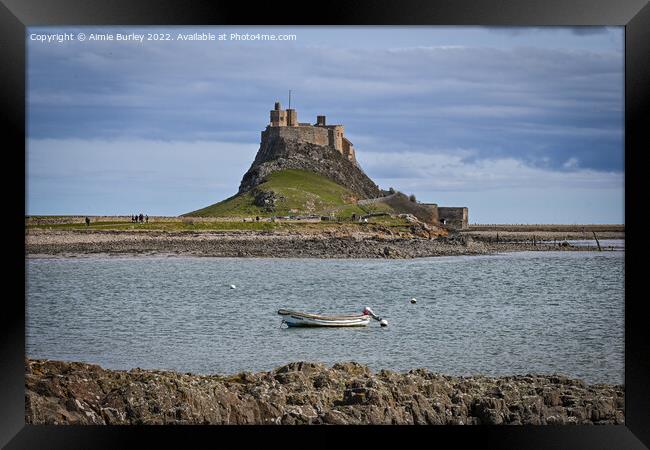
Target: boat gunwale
287,312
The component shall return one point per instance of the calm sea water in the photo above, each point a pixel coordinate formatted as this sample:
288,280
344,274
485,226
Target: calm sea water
606,244
516,313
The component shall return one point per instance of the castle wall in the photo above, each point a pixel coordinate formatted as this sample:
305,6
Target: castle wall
348,150
453,217
309,134
336,136
284,124
330,137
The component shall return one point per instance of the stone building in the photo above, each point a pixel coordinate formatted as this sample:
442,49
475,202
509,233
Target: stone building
453,217
284,123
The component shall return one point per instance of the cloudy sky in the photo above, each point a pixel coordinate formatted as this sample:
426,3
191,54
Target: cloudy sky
521,125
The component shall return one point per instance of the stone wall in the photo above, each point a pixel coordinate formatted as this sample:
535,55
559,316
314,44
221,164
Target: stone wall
278,118
308,134
336,136
348,150
332,135
453,217
292,118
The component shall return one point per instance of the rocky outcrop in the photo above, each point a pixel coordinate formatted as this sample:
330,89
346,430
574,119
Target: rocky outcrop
309,393
277,153
266,199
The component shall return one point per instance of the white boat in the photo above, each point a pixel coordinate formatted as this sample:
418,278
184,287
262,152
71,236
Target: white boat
299,319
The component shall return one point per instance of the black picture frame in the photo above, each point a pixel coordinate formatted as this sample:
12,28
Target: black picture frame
634,15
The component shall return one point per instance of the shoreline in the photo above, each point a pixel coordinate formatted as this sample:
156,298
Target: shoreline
266,244
59,392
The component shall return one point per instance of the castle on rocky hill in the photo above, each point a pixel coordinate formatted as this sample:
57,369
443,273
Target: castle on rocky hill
284,124
324,149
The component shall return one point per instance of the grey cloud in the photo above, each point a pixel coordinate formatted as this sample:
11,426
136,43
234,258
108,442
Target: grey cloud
538,105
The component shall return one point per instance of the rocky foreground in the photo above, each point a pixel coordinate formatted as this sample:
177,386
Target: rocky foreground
265,244
309,393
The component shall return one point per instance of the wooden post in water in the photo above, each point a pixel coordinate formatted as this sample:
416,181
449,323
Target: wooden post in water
597,243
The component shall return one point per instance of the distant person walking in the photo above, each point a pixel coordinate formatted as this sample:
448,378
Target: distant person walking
141,218
87,221
146,218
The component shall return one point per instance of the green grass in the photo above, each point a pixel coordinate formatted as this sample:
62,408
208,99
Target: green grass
54,217
304,192
187,226
65,226
165,226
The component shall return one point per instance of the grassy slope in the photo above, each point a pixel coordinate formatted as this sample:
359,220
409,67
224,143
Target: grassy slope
305,193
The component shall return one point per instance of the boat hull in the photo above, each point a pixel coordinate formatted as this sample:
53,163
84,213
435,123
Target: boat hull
295,319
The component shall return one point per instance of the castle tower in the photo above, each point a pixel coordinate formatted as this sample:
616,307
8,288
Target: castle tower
348,150
335,135
292,118
278,116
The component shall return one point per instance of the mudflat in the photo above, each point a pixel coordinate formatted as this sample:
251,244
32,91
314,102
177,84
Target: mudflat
381,238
